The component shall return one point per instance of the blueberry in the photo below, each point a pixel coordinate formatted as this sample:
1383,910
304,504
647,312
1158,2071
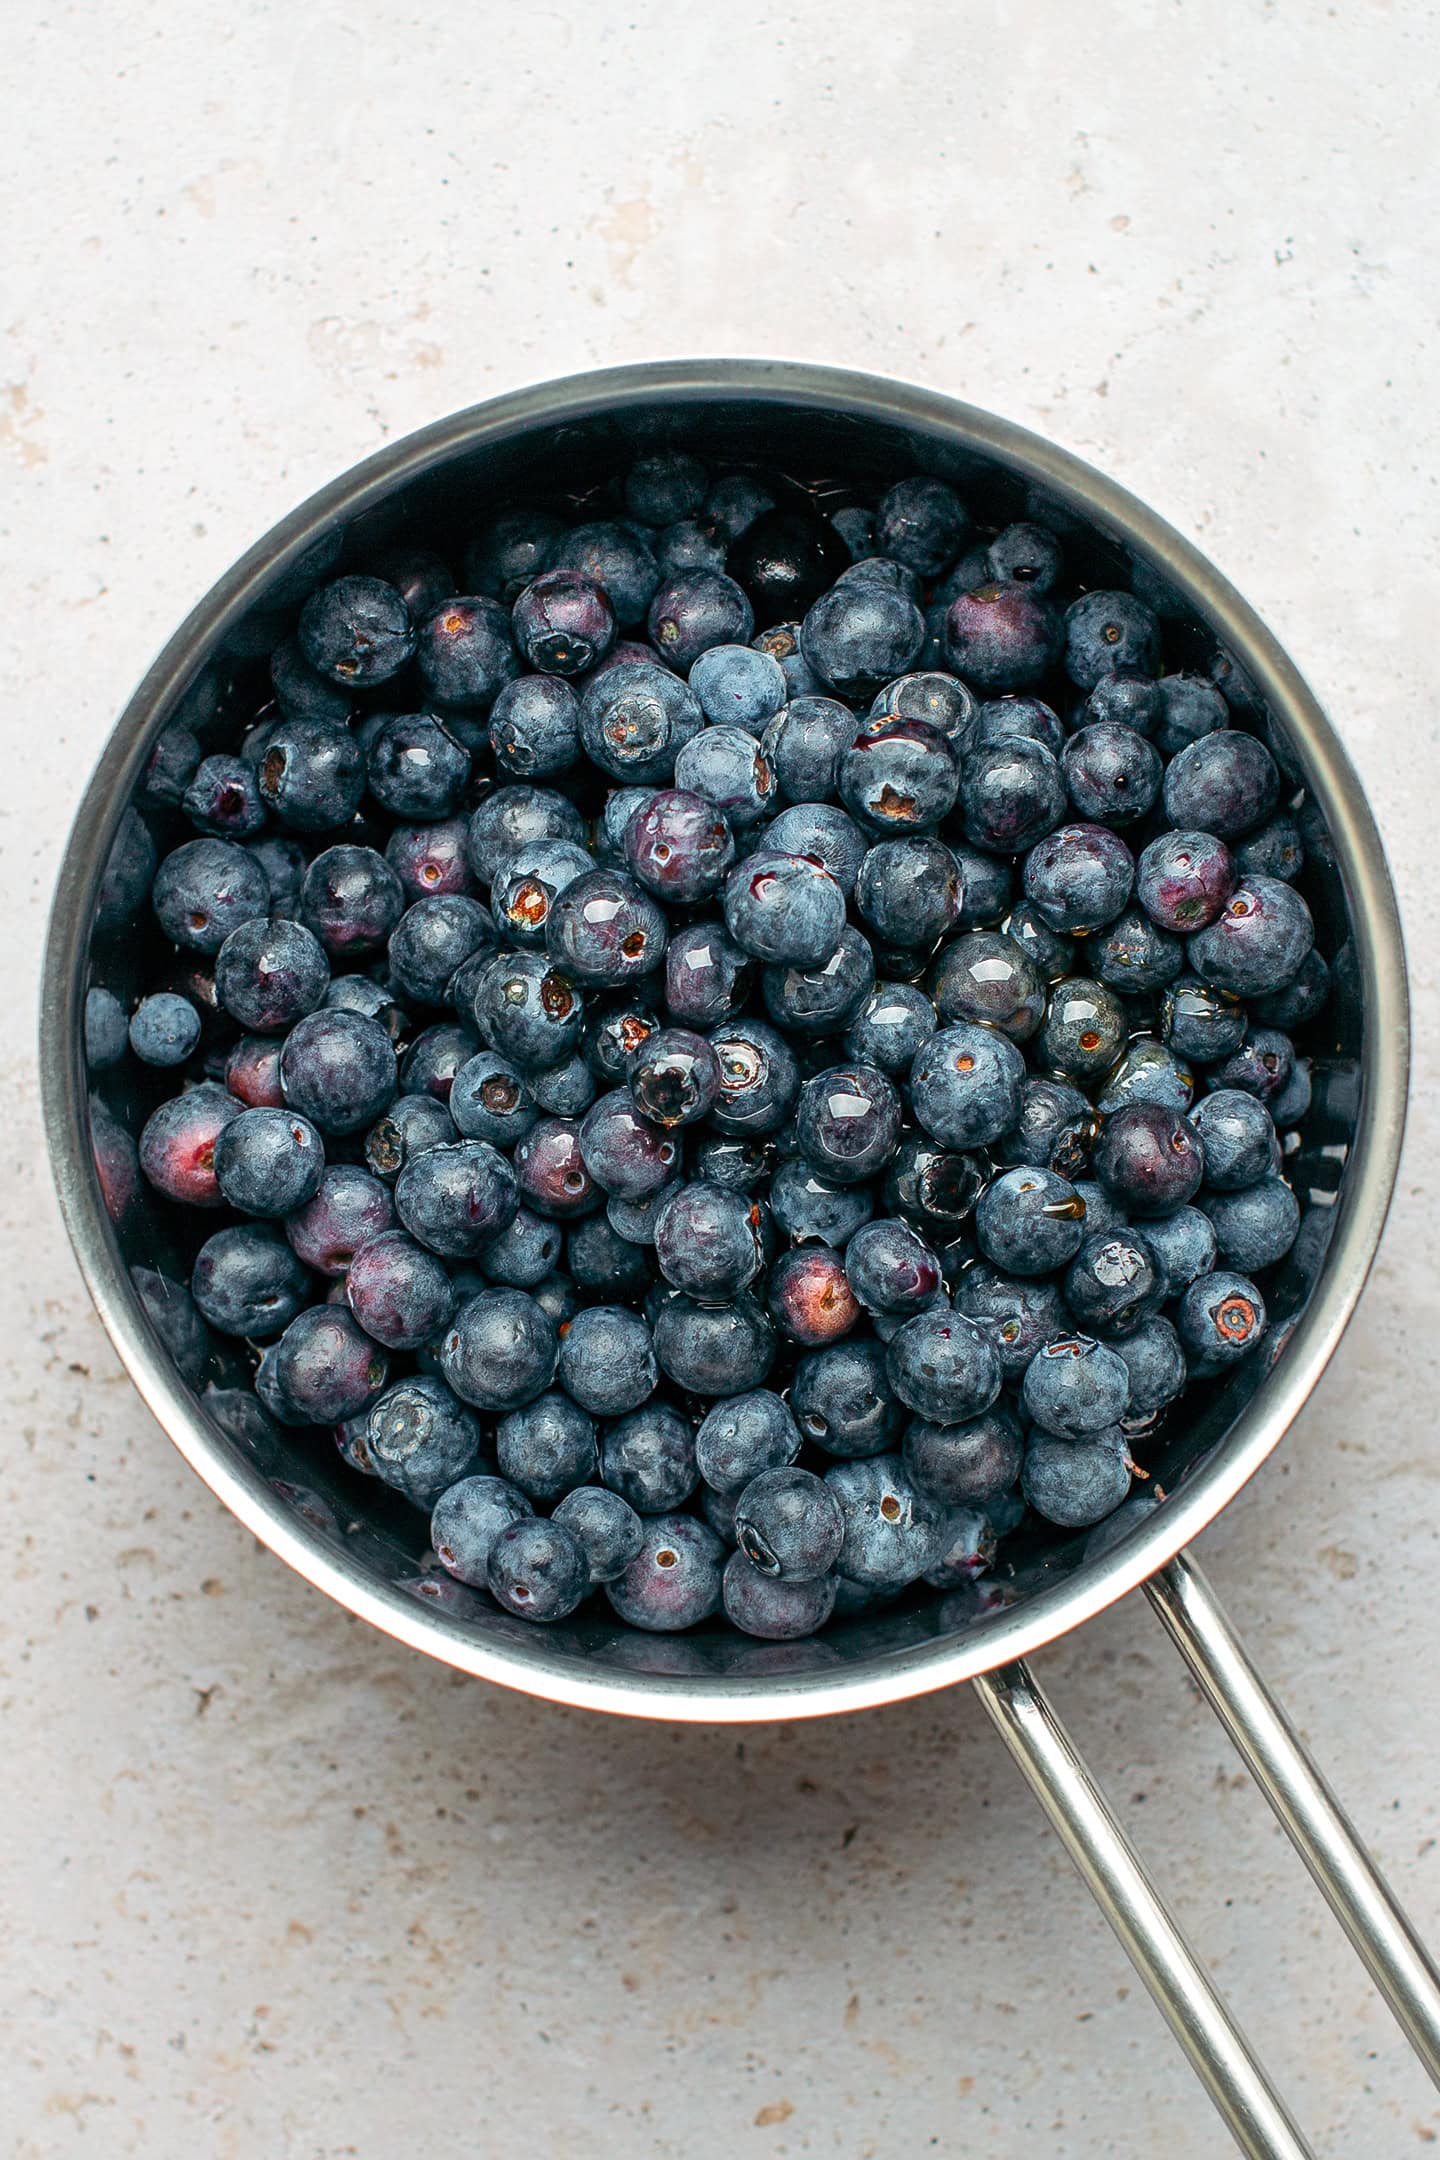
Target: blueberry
1261,1066
546,1447
1125,698
130,869
530,1011
432,941
1258,942
415,768
1111,772
301,692
968,1551
425,859
400,1294
499,1351
782,643
965,1086
942,1365
708,1241
809,1296
270,973
861,634
1109,630
356,632
674,1077
407,1128
464,652
892,1025
626,1155
1149,1158
694,611
269,1162
649,1459
284,863
823,831
617,1030
771,1609
338,1069
825,999
537,1570
351,900
1201,1022
811,1208
1085,1029
1237,1134
1292,1105
1156,1364
312,775
107,1034
727,768
1011,795
1051,954
1113,1284
1148,1072
988,978
689,544
1189,708
435,1057
706,975
933,1186
1047,1109
420,577
1079,877
350,1208
1221,1318
527,885
738,687
565,1090
921,523
327,1366
551,1172
1224,783
178,1143
523,1254
604,1526
1001,637
1182,1245
455,1197
1075,1386
615,557
856,527
1134,956
709,1350
605,929
1016,719
1256,1227
1024,555
848,1122
607,1361
674,1581
898,776
804,744
841,1399
742,1166
1029,1221
909,891
223,797
164,1029
891,1269
759,1078
679,846
468,1520
892,1531
204,889
1275,850
247,1281
964,1465
665,486
985,882
563,623
634,1220
534,726
1076,1483
515,817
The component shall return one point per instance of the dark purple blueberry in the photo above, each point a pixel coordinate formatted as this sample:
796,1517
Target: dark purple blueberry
537,1570
964,1465
338,1069
890,1027
131,867
415,768
526,886
407,1128
269,1162
708,1241
727,767
551,1172
738,687
848,1122
1085,1029
489,1100
204,889
607,1529
284,862
246,1281
892,1531
625,1154
1016,719
909,891
427,859
457,1196
468,1519
1112,772
1276,850
223,798
464,652
985,887
735,501
1075,1387
523,1254
805,742
535,727
694,611
891,1269
759,1078
1109,630
1259,940
164,1029
515,817
269,973
563,623
606,930
1001,637
674,1581
921,523
861,634
499,1351
434,1058
1220,1319
1198,1021
679,847
1030,1221
400,1293
1011,795
965,1086
988,978
786,909
327,1366
1149,1159
1079,878
604,1263
312,774
898,776
1134,956
674,1078
351,899
528,1009
841,1399
356,632
607,1365
706,975
617,559
1076,1482
1113,1283
1301,999
1124,698
1025,555
178,1142
1190,707
785,559
1048,1109
1262,1065
810,1298
773,1610
689,544
710,1350
350,1208
1224,783
1016,1316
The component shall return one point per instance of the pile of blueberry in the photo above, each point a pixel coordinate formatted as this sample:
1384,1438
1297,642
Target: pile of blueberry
725,1122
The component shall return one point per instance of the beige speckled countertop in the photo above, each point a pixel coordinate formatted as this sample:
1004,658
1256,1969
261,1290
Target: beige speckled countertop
273,1887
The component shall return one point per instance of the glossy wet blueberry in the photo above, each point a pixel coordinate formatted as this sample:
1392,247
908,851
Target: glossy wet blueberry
547,1447
809,1207
825,999
679,846
648,1457
564,1090
1261,1066
1134,956
689,544
1156,1364
626,1154
1079,878
269,1162
1075,1483
434,1058
891,1269
759,1078
706,975
606,1528
1111,773
432,941
563,623
1148,1072
1025,555
908,891
1001,637
1220,1319
529,1009
809,1296
1113,1284
789,1524
1011,795
824,832
464,652
1109,630
921,523
164,1029
785,909
674,1077
1259,940
1084,1031
204,889
351,899
454,1197
965,1086
527,884
848,1122
941,700
269,973
894,1022
410,1125
606,930
1011,719
1200,1022
1048,1108
1182,1245
327,1366
349,1209
499,1351
534,728
514,817
708,1241
224,798
415,768
1029,1221
247,1281
426,859
892,1531
551,1172
1275,850
727,767
674,1581
356,632
860,635
312,775
468,1520
899,777
1075,1386
617,1029
1150,1159
804,744
1238,1136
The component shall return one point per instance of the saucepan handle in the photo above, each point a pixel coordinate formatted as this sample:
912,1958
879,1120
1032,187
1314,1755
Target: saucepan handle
1222,2057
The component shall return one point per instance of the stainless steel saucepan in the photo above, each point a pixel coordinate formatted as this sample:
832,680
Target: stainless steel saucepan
361,1545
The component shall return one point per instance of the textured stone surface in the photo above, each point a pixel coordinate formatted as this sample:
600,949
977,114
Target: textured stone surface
274,1887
